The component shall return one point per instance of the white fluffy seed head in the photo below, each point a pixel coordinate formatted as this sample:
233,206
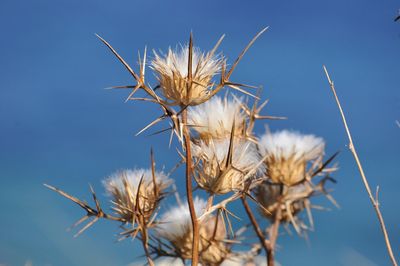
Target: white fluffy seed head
172,73
214,174
123,186
214,118
176,227
288,153
287,144
176,222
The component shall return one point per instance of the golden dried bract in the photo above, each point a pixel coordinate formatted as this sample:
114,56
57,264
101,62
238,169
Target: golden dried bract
136,192
222,166
288,154
172,72
291,200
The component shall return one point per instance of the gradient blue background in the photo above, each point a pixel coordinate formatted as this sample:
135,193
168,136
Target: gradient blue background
59,126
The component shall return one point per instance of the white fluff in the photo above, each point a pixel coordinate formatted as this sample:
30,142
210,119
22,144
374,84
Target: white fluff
161,261
238,261
177,222
176,62
116,180
285,144
215,117
245,154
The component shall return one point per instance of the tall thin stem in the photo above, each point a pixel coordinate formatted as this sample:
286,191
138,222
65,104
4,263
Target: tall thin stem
374,201
146,247
189,191
266,244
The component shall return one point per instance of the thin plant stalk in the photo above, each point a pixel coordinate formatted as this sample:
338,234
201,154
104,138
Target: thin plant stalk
146,247
189,191
266,245
374,200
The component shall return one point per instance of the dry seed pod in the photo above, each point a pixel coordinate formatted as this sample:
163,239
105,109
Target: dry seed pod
222,166
172,74
176,227
215,118
136,192
291,200
288,154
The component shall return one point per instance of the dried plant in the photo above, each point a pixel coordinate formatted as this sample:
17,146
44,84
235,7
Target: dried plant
374,200
172,73
136,191
225,157
175,226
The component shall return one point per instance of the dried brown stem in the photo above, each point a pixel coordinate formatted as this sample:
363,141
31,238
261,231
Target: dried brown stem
189,191
273,235
266,245
145,240
374,201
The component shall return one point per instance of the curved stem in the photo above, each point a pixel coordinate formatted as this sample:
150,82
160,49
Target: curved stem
189,191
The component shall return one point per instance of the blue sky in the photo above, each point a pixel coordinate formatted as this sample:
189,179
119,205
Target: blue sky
59,126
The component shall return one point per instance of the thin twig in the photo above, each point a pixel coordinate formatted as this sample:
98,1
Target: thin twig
352,148
258,230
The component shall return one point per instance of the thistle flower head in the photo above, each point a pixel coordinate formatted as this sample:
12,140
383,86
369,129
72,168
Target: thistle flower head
172,74
288,154
136,191
215,118
224,165
176,227
291,200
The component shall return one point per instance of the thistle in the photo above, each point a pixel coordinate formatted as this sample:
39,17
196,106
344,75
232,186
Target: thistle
173,75
288,153
136,192
214,119
175,226
225,165
222,154
292,161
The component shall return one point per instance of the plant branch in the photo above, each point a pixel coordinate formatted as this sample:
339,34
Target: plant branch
266,244
352,148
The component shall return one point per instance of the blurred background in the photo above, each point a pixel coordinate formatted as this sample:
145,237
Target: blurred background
59,126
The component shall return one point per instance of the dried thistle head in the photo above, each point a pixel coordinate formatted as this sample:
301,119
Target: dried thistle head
214,119
285,203
136,192
176,227
288,154
172,72
291,200
222,166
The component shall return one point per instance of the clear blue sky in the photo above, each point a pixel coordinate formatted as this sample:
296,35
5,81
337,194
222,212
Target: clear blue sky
58,125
